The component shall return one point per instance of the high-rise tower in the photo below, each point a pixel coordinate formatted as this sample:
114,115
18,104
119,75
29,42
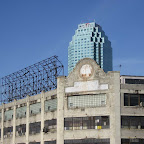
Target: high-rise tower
90,41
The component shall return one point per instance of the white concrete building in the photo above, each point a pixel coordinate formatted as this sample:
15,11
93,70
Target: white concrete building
88,107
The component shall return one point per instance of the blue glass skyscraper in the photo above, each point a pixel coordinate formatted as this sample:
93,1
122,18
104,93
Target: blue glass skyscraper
90,41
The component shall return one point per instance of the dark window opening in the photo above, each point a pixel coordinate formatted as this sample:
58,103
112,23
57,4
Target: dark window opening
132,122
79,123
133,99
34,128
50,126
132,141
21,130
87,141
50,142
34,142
8,132
134,81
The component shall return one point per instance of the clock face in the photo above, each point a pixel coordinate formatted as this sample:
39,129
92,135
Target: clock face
86,71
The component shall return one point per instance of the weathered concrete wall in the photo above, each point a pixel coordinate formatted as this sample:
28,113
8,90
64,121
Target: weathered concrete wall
108,83
41,137
98,82
131,110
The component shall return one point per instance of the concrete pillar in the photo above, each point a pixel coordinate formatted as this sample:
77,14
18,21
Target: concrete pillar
42,116
60,109
2,124
27,121
115,118
14,121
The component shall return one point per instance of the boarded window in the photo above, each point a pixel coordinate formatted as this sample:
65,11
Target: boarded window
86,101
51,105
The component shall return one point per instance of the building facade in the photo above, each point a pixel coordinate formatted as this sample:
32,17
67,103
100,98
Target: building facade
89,106
90,41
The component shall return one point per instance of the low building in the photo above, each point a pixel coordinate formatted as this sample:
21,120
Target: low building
89,106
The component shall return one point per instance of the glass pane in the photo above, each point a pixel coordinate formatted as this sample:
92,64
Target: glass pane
134,100
125,99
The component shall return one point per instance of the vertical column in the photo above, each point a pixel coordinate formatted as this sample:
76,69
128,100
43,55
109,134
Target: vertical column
14,121
2,124
115,115
42,117
60,109
27,121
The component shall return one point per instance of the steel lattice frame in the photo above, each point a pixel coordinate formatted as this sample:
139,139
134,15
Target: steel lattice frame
31,80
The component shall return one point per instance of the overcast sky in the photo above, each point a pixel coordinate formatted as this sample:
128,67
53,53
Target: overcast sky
33,30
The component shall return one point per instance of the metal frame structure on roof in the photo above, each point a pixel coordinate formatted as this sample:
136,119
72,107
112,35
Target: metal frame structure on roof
41,76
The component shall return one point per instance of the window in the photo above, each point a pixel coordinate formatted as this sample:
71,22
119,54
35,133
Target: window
51,105
35,108
88,123
8,115
87,141
134,81
93,122
133,99
21,130
21,112
8,132
34,142
77,123
132,141
132,122
68,122
34,128
50,142
50,125
81,101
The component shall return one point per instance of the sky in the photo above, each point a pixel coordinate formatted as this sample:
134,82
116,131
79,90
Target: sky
33,30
